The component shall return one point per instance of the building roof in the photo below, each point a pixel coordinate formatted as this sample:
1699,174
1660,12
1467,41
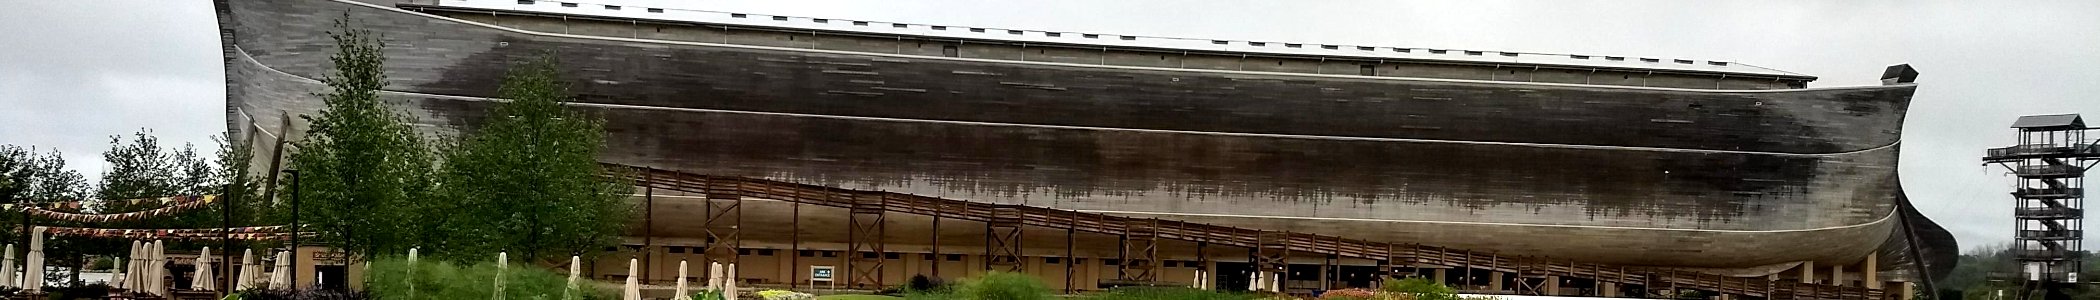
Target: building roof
646,9
2049,122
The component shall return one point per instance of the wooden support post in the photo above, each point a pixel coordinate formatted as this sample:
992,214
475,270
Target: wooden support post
1139,258
1495,281
1552,285
1272,255
1003,239
723,226
648,230
1203,269
794,252
864,244
1438,275
936,235
1070,229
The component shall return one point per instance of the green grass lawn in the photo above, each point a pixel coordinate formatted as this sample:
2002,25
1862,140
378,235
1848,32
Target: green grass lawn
856,297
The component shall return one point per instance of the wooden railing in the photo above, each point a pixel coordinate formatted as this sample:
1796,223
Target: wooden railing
1393,254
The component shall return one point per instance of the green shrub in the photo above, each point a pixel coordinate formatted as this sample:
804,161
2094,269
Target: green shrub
1349,294
392,278
1166,293
1001,286
708,294
102,263
1420,288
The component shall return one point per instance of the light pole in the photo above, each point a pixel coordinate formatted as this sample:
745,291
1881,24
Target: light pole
295,227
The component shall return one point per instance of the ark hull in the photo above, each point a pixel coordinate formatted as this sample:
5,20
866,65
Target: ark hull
1626,175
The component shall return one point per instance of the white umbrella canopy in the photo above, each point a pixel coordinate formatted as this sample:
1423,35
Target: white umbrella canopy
633,289
575,266
203,281
281,278
158,269
714,275
33,271
729,283
129,277
502,262
243,277
7,268
681,291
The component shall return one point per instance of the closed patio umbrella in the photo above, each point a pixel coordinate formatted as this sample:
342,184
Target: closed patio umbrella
681,291
502,263
575,268
33,270
633,289
729,283
281,278
7,268
204,281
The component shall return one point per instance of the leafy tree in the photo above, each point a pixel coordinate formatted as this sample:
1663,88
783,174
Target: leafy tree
527,181
26,176
361,167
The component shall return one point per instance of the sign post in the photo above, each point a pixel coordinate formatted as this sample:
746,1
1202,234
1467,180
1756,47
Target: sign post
822,273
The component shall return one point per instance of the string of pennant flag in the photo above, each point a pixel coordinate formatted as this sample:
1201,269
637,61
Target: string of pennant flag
239,233
78,204
179,207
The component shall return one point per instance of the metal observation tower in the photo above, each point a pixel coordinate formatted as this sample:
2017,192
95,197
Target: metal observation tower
2050,161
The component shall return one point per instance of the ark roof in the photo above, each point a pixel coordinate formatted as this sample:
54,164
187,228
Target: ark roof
662,10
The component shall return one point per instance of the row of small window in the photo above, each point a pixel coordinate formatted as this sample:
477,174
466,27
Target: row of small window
1128,38
573,4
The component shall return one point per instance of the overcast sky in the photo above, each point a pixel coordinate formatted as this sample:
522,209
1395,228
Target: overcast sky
72,73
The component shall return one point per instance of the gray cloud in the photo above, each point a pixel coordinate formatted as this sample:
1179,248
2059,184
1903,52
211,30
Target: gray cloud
73,72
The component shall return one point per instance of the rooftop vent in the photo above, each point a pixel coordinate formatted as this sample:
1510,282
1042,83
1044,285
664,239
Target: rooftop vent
1090,35
1218,42
821,20
1013,32
612,7
1294,45
1579,56
900,25
1718,63
1402,50
1614,58
1365,48
568,4
780,18
1330,47
1509,54
1475,52
738,15
1053,34
656,10
1257,44
1683,61
976,29
1129,38
1438,51
1650,60
524,1
937,27
860,23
